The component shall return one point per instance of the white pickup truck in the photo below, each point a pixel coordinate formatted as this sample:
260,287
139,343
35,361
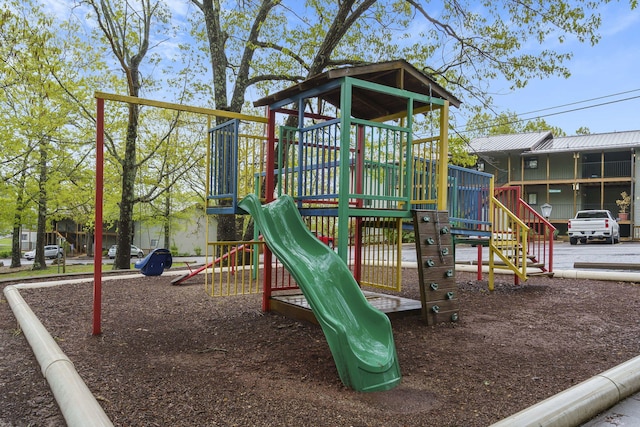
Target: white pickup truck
593,224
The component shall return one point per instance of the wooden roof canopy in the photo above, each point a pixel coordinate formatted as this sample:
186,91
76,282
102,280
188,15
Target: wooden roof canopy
367,104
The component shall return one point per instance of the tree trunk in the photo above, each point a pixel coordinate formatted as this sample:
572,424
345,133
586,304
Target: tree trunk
124,234
16,250
167,221
15,243
39,260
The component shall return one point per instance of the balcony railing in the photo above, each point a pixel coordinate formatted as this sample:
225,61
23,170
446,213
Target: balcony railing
564,211
612,169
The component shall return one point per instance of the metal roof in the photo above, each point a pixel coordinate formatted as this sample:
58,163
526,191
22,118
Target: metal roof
594,142
544,142
366,104
513,142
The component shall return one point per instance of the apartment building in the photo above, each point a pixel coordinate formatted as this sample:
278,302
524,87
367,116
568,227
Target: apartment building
569,173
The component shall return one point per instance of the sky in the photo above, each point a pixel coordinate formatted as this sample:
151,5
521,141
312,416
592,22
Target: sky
611,67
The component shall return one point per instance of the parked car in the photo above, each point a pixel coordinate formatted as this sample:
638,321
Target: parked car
593,224
50,251
327,240
135,251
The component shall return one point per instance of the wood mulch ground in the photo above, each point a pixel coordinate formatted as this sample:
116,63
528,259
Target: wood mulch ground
171,355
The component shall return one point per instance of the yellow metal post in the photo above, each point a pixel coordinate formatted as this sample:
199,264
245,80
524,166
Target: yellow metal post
443,157
491,235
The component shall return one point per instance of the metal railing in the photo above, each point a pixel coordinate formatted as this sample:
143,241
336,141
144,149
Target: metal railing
468,200
236,161
539,248
607,169
508,241
311,167
235,271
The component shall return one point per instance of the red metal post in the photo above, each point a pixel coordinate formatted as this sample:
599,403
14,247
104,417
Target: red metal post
359,189
97,246
479,271
269,189
551,232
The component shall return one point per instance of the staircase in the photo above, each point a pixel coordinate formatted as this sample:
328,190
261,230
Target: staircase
521,238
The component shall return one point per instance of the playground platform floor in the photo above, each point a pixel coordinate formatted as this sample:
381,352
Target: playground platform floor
297,306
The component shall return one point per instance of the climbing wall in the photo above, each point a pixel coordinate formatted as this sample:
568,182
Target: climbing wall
436,266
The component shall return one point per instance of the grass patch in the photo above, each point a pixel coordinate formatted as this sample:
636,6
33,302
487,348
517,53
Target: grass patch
5,245
26,271
7,273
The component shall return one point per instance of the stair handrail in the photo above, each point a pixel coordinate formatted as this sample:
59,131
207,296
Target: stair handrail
508,238
540,243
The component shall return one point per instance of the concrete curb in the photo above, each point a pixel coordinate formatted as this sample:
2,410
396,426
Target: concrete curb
580,403
616,276
583,401
77,404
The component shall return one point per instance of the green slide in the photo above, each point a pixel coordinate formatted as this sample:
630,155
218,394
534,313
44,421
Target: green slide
359,335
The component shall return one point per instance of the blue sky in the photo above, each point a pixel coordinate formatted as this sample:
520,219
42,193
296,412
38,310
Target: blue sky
610,67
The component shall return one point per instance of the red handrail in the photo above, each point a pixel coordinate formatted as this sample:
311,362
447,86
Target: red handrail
540,241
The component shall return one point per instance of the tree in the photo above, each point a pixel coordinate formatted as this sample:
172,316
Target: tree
270,43
127,31
260,22
175,158
15,149
583,130
131,30
507,122
37,117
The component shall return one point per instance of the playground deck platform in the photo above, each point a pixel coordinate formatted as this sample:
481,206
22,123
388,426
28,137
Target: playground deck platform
297,307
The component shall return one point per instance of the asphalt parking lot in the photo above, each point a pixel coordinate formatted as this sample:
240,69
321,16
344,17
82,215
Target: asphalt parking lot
565,256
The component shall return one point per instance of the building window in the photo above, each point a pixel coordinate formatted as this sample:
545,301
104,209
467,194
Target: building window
154,243
531,163
532,198
480,165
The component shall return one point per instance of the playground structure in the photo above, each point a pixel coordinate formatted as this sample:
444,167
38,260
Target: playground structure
356,172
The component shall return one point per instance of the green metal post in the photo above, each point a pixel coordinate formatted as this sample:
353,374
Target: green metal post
343,185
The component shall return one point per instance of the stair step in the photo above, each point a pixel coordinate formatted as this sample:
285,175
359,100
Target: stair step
542,273
500,263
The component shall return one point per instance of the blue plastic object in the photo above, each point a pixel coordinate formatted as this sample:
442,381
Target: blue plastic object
358,334
155,263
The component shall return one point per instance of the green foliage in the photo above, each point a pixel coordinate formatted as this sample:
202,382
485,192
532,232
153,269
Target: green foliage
583,130
408,237
482,124
174,248
43,148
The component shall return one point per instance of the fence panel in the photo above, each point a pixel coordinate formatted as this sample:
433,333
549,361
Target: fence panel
235,272
469,199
